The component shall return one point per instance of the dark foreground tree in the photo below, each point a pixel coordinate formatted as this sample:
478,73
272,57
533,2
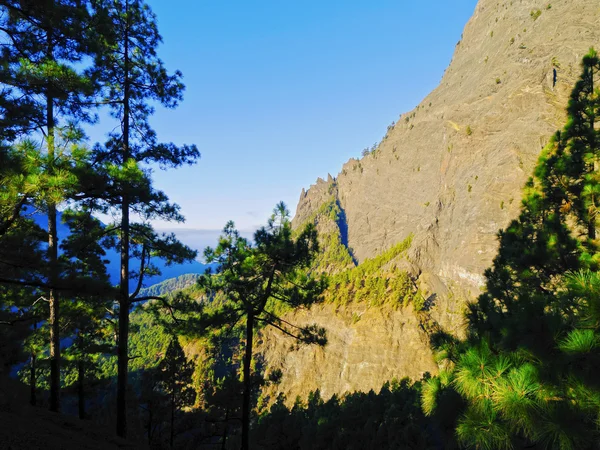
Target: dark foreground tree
258,283
44,41
132,78
528,370
176,382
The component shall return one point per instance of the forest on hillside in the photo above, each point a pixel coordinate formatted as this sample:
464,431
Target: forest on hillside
176,365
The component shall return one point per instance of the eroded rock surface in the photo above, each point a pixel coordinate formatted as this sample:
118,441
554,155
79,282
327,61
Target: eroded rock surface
450,172
366,347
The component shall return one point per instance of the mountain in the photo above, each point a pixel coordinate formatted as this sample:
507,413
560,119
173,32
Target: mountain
447,174
171,285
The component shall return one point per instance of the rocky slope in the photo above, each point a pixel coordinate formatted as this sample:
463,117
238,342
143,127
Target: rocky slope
366,347
450,173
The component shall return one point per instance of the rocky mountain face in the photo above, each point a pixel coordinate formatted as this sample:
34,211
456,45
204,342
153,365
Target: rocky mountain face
450,173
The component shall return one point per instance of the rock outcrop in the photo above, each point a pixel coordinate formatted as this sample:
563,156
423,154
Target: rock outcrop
366,347
450,172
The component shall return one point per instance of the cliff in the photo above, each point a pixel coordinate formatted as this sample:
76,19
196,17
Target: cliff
450,174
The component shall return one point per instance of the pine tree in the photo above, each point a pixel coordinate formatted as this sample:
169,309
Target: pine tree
85,309
527,369
175,381
22,262
154,402
131,77
45,40
259,282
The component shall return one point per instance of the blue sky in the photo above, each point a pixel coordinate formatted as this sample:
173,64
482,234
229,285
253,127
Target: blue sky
282,92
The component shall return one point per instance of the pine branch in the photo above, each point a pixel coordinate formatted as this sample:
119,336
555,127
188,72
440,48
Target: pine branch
13,216
283,330
19,320
141,274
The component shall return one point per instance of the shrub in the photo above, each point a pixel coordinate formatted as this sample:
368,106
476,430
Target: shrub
535,14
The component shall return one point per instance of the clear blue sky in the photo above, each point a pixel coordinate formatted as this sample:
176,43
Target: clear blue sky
282,92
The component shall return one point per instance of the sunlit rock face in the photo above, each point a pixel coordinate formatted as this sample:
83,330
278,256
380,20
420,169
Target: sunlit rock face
450,172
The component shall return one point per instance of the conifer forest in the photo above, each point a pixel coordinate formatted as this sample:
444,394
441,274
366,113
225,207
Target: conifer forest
366,320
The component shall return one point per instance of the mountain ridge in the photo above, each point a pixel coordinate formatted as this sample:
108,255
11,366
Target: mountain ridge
478,134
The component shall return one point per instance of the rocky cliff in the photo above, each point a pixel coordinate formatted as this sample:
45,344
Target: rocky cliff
450,173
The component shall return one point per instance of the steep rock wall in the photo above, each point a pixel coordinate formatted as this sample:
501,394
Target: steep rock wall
366,347
450,172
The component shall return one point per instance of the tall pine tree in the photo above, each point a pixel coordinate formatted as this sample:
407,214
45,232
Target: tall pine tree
176,382
132,78
45,41
259,282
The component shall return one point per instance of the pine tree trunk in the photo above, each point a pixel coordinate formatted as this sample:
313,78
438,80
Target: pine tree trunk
122,351
81,388
54,314
149,422
247,383
224,441
172,417
592,220
33,374
32,380
52,245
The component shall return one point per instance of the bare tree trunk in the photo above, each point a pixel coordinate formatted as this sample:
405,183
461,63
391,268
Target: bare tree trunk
81,388
32,381
247,383
122,350
52,244
172,417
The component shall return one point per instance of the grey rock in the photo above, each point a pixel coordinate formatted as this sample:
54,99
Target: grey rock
451,173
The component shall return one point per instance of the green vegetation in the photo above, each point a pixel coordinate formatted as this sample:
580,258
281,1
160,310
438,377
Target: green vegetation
171,285
62,62
175,382
389,419
333,254
377,281
555,62
524,375
256,282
